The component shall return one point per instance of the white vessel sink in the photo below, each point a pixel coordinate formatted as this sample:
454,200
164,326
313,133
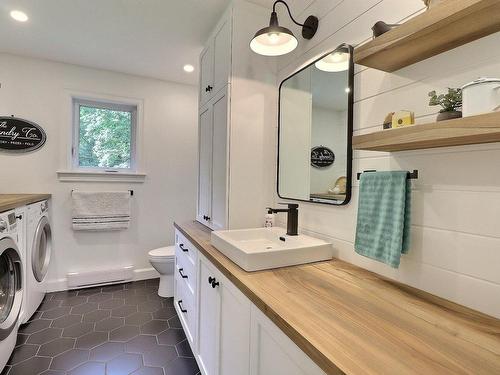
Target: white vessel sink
265,248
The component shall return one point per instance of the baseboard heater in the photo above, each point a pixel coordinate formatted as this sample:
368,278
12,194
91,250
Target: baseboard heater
99,277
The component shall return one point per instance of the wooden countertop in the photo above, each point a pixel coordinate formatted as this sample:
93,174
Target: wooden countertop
347,319
11,201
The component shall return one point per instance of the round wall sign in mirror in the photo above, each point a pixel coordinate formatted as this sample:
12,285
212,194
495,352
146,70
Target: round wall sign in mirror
322,157
18,135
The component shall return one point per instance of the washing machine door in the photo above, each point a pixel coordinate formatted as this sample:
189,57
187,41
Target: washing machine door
11,292
41,251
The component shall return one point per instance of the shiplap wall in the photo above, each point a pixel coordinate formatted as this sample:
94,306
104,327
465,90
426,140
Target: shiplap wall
455,250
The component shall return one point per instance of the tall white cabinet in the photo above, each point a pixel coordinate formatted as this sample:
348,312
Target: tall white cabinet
236,87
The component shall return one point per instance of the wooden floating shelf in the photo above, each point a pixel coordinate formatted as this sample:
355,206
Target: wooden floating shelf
446,26
458,132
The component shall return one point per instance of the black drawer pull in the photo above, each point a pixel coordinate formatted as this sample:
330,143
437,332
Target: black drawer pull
182,275
211,279
183,248
183,310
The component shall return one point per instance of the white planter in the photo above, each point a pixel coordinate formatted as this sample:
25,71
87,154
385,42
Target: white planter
481,96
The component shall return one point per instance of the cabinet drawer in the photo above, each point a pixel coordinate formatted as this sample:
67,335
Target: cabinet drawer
185,272
184,248
186,310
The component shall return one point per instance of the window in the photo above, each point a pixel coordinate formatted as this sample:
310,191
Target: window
104,136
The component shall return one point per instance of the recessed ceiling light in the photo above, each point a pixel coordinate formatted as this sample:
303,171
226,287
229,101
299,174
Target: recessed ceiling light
188,68
19,16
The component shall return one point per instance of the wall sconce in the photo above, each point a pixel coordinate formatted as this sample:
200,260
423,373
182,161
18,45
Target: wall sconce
276,40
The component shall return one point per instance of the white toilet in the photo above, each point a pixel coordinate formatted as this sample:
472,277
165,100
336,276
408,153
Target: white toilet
163,260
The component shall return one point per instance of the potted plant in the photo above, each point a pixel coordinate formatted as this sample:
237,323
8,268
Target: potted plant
451,104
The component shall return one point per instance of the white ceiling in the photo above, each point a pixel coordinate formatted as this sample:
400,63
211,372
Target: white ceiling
152,38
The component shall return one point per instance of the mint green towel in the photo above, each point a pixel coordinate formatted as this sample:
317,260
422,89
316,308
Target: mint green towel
383,228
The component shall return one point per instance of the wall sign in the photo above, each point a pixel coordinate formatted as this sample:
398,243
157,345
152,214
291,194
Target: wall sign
322,157
18,135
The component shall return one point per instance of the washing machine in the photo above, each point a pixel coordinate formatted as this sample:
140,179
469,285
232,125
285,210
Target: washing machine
37,260
11,282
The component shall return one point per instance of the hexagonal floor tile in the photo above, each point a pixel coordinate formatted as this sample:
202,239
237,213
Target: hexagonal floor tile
21,338
149,371
109,324
66,321
164,313
55,347
77,330
183,349
89,368
135,300
174,322
65,294
96,316
34,365
49,305
125,293
150,306
107,351
34,326
45,335
160,356
85,308
171,336
91,340
141,344
181,365
124,311
154,327
112,303
22,353
139,318
113,288
56,312
74,301
124,333
100,297
124,364
70,359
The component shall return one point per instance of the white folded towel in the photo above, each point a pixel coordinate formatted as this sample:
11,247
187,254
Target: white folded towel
101,211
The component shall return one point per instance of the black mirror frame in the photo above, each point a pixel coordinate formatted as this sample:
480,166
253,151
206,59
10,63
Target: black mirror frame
350,110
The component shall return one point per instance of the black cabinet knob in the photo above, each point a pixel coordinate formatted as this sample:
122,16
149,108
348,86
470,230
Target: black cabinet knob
182,273
215,284
183,248
211,279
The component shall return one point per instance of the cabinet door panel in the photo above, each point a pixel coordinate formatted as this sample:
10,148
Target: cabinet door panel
206,73
208,321
222,56
219,162
205,165
234,331
272,352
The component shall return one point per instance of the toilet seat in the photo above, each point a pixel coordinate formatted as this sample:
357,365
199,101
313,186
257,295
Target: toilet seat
162,254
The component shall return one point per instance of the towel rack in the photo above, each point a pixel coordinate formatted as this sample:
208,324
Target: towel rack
130,191
411,175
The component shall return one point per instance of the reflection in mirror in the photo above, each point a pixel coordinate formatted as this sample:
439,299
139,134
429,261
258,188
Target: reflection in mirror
315,130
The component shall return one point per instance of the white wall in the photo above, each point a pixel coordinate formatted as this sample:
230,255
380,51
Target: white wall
329,129
38,91
455,249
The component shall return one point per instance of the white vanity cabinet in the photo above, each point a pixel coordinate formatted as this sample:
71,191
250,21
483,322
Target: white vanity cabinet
237,89
272,352
223,324
186,285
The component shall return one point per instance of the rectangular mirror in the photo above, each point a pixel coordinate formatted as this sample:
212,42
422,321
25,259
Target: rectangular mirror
315,130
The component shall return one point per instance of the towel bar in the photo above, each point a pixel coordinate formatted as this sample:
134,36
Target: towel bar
411,175
130,191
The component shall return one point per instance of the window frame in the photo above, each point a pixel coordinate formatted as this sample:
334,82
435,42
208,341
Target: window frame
110,105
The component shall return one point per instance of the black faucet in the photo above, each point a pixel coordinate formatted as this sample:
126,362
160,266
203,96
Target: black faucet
292,222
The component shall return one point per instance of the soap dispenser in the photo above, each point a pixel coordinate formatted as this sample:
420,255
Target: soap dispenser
269,220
